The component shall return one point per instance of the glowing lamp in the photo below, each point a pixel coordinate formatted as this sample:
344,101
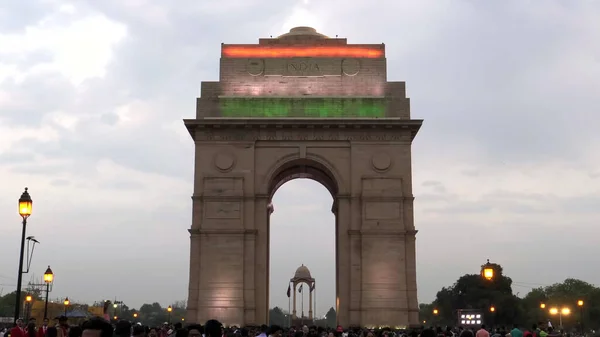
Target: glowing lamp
25,204
487,271
182,319
435,311
492,309
135,315
169,309
66,302
48,275
115,318
542,305
553,311
580,303
565,311
257,51
28,298
115,305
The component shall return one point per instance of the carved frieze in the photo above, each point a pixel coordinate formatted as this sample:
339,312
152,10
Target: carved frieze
222,210
242,135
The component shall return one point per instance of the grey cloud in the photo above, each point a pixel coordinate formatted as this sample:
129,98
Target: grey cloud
109,118
24,62
471,173
37,96
15,16
122,185
515,203
60,182
16,157
435,185
42,169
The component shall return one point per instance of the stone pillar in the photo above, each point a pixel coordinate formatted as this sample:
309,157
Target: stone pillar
192,303
249,276
261,266
294,310
310,304
343,253
411,279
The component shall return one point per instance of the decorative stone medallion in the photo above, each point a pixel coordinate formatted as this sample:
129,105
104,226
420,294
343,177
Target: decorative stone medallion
255,67
224,162
381,162
350,67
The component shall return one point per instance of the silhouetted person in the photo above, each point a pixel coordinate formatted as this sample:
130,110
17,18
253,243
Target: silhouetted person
96,327
213,328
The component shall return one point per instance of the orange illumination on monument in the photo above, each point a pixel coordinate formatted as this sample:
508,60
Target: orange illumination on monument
301,51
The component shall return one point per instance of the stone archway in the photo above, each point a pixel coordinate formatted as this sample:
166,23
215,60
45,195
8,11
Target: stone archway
310,165
338,122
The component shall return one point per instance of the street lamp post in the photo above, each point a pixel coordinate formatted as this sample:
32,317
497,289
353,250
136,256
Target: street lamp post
487,271
66,303
543,308
28,300
169,309
25,204
48,279
580,305
561,312
116,305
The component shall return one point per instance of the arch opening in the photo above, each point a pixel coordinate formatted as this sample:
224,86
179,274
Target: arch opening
304,169
302,235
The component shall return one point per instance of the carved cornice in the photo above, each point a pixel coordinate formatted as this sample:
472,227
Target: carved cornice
201,231
381,232
200,197
299,129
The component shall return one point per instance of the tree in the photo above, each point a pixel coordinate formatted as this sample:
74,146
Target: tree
7,303
471,291
565,295
331,317
278,317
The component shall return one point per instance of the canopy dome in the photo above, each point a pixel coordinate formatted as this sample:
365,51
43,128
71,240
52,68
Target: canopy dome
302,273
303,31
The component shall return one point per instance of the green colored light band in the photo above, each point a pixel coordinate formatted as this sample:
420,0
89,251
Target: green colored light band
323,107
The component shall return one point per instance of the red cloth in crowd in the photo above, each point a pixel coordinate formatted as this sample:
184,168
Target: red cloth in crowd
17,332
42,331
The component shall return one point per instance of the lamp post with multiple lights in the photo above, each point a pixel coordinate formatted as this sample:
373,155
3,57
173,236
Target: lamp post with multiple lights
116,305
48,279
560,312
25,204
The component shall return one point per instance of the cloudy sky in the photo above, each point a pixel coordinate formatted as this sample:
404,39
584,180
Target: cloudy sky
92,94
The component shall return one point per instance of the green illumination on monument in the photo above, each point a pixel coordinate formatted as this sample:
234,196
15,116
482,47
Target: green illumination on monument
321,107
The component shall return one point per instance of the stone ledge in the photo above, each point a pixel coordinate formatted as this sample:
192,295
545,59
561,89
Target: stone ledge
381,232
194,232
266,196
212,124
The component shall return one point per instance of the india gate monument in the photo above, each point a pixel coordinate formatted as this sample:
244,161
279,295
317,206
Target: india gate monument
303,105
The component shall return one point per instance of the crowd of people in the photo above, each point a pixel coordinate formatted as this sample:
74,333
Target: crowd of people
99,327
